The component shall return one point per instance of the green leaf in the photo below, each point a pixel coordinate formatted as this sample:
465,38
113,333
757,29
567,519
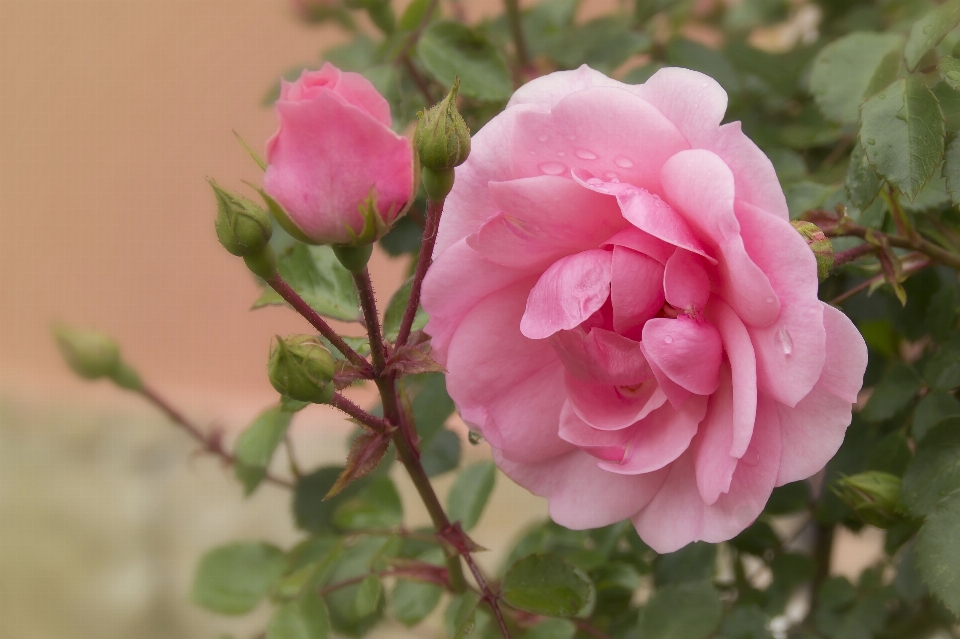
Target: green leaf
933,408
393,316
414,14
450,49
862,182
432,405
377,506
693,55
304,618
547,585
902,134
310,510
462,617
693,562
928,31
305,574
851,68
367,597
440,453
745,622
938,553
232,579
943,369
899,385
552,629
365,556
806,195
951,169
357,55
470,493
682,611
603,44
949,68
318,277
254,448
757,539
788,498
934,473
411,601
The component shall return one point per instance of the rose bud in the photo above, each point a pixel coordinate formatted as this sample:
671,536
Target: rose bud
243,227
819,243
443,142
92,355
301,368
873,495
337,173
627,316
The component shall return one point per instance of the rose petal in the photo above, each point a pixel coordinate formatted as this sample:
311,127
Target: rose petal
756,180
636,288
570,291
713,462
660,438
601,357
581,494
686,350
608,445
607,131
642,242
549,89
686,285
610,408
701,187
674,393
694,102
544,218
846,356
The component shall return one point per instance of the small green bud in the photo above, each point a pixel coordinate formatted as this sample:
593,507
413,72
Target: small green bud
442,137
262,264
90,354
873,495
243,227
819,243
353,258
301,368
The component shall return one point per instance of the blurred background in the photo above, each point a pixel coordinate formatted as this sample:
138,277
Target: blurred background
112,112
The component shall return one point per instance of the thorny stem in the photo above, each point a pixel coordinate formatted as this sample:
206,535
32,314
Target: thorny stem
371,421
853,254
910,269
516,29
211,443
917,243
423,263
292,298
368,304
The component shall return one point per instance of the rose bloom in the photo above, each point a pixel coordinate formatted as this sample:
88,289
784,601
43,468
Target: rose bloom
334,154
627,315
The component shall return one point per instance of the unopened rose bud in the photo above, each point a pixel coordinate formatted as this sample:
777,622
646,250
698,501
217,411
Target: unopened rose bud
302,369
442,137
92,355
243,227
873,495
819,243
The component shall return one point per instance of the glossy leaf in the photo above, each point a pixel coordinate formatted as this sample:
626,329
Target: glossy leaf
450,49
232,579
470,492
902,134
682,611
928,31
318,277
547,585
255,447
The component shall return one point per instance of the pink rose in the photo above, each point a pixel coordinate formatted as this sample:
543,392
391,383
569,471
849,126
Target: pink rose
627,315
334,160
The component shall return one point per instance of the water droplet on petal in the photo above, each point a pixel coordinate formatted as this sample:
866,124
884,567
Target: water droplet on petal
533,152
610,175
769,300
751,458
594,181
704,85
475,437
584,154
871,141
571,137
553,168
543,138
623,163
615,180
668,340
560,154
785,341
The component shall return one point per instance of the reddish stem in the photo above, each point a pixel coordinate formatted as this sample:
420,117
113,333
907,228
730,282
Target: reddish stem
853,253
376,423
434,209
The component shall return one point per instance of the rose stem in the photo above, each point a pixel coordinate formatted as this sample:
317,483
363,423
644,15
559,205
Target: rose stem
852,254
516,28
434,209
292,298
211,443
916,243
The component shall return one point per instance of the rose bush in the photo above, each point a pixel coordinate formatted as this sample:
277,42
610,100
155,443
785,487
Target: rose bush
627,315
335,165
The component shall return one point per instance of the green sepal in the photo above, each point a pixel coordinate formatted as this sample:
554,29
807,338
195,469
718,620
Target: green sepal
353,258
262,264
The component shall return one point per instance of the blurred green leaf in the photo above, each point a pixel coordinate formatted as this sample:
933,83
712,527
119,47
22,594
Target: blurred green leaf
693,55
440,453
693,562
304,618
552,629
311,512
942,370
949,68
745,622
470,492
933,408
547,585
603,44
681,611
862,181
357,55
316,275
365,556
934,473
899,385
462,616
938,553
377,505
232,579
928,31
368,596
432,405
255,447
757,539
902,134
411,601
450,49
789,498
393,316
951,169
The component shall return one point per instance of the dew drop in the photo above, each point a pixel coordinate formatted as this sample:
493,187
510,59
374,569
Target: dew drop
769,300
751,458
615,180
533,152
571,137
543,138
623,163
475,438
704,85
786,342
871,141
553,168
584,154
594,181
610,175
882,96
668,340
561,154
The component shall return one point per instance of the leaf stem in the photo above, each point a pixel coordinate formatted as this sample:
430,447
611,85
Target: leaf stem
434,209
211,442
292,298
917,243
516,29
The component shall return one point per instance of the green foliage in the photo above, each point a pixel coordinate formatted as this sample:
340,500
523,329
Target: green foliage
395,309
689,610
449,50
317,276
939,553
470,493
928,31
547,585
232,579
303,618
255,447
